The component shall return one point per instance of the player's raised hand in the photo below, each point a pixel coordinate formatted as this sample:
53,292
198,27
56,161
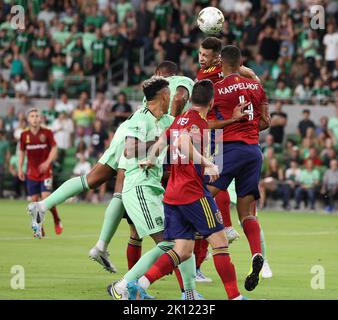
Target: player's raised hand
212,171
43,167
238,112
145,164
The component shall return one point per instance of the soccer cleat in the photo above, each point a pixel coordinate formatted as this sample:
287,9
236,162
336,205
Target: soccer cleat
58,228
197,296
37,215
231,234
117,292
252,279
200,277
266,271
102,257
240,297
135,291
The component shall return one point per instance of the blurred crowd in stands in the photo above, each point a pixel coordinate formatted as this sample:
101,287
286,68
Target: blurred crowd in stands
65,42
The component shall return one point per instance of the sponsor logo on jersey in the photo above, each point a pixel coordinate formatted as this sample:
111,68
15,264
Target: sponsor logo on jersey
36,146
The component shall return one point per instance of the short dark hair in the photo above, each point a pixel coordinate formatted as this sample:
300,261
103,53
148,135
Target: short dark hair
231,55
152,86
202,92
168,67
306,111
212,43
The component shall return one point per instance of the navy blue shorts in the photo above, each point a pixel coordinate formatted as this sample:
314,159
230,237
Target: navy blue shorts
37,187
242,162
183,221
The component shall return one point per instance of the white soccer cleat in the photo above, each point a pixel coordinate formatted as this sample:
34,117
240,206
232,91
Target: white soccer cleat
118,291
37,215
266,270
200,277
102,257
231,234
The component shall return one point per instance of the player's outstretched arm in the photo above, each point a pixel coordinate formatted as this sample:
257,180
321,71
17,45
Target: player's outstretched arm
237,115
186,148
265,120
179,101
248,73
135,148
154,152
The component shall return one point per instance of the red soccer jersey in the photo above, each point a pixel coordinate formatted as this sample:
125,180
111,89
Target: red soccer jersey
229,92
37,148
214,74
185,184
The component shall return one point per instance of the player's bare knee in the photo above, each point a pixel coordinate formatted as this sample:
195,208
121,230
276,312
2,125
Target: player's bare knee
133,233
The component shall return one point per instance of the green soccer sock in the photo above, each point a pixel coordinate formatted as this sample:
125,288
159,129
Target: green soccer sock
263,245
188,273
68,189
112,218
147,260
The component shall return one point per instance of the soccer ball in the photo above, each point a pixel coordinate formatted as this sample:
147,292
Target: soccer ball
210,20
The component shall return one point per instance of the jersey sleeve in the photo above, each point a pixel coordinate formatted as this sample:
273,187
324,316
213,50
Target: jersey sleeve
50,139
263,97
22,142
137,127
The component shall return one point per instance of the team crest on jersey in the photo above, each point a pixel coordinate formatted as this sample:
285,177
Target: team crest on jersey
218,216
182,121
28,140
42,138
236,79
159,221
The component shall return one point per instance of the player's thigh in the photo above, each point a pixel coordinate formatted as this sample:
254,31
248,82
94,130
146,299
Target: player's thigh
247,178
204,215
176,224
145,209
100,174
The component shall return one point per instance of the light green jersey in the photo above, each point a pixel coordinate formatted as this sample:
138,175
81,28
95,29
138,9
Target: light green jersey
145,127
174,83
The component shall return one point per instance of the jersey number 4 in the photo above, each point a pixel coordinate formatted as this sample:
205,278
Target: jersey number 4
249,109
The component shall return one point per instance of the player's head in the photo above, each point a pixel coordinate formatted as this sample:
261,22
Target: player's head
33,117
156,90
231,58
203,94
209,52
166,69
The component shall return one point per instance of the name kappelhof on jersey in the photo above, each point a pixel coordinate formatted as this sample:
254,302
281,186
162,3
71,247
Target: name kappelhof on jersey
238,86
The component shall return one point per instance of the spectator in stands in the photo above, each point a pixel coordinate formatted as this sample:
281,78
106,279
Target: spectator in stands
303,91
330,41
83,117
292,176
99,54
317,162
269,44
330,185
121,110
308,181
260,67
272,180
102,108
20,86
99,140
137,77
63,129
76,82
17,184
51,114
4,159
145,25
305,123
283,92
64,105
172,48
82,147
294,156
322,130
4,87
270,143
58,74
320,93
38,71
10,120
330,154
17,64
278,123
333,128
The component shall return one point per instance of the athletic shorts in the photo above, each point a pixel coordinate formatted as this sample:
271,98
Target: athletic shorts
242,162
113,155
37,187
184,221
145,209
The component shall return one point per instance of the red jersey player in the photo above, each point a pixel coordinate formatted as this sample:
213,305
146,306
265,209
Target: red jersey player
241,158
39,145
188,205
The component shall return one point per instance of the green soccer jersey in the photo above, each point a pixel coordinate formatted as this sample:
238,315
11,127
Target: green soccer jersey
98,47
174,83
145,127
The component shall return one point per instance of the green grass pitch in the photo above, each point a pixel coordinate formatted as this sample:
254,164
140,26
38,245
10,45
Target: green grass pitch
58,267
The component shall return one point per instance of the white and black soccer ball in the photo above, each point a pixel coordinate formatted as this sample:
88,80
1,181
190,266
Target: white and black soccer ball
210,20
